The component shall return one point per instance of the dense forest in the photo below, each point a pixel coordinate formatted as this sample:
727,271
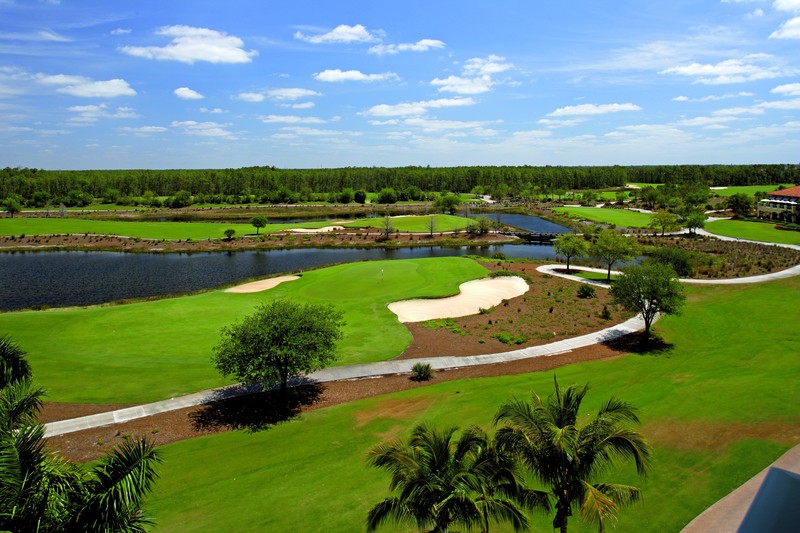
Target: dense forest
37,187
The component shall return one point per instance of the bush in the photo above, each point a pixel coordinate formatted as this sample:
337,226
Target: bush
681,261
422,372
586,291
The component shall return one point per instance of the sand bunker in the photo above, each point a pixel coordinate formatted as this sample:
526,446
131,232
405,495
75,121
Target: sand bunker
326,229
475,295
262,285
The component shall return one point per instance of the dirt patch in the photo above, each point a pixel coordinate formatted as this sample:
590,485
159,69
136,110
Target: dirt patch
715,435
393,408
90,444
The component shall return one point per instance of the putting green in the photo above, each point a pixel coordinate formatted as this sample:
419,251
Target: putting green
147,351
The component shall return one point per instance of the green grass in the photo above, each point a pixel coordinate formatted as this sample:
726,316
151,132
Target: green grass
618,217
594,276
749,190
733,372
148,351
756,231
202,230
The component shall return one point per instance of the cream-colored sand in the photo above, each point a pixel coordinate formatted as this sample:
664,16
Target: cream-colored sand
326,229
475,295
261,285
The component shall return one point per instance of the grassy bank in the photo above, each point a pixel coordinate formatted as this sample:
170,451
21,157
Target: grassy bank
148,351
618,217
718,407
754,231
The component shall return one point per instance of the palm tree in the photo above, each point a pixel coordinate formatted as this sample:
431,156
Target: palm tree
567,456
443,482
13,365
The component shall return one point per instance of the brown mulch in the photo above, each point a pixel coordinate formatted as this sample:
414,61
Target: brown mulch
262,410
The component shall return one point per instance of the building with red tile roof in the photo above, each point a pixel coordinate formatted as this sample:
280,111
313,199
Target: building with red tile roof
783,205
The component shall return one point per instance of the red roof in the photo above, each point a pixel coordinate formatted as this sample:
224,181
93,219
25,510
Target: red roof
793,192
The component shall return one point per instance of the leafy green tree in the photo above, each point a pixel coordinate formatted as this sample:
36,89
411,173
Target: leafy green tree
258,222
281,340
663,220
568,457
484,225
692,219
740,204
360,196
386,195
610,247
570,245
229,233
443,482
12,206
447,203
13,364
649,289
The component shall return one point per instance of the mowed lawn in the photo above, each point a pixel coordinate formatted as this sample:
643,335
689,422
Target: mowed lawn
754,231
148,351
718,407
206,230
623,218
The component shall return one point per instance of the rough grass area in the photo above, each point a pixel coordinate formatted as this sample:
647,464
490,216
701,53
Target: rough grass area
718,406
717,259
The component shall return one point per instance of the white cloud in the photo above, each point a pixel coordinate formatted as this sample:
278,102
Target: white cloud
191,44
713,97
550,123
416,108
476,76
340,34
788,30
704,121
144,130
791,89
336,75
316,132
787,5
423,45
41,35
302,105
204,129
441,125
593,109
736,111
459,85
86,87
213,111
186,93
92,113
281,95
728,71
290,119
756,13
681,99
121,31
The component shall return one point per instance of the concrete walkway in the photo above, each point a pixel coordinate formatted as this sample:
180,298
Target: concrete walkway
336,373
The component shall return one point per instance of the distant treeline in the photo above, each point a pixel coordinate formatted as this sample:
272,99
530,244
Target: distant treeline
28,184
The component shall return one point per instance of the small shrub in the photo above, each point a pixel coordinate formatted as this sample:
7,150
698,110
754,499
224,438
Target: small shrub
586,291
422,372
484,311
605,314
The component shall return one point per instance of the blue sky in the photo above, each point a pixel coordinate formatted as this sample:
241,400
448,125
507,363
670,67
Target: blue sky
306,84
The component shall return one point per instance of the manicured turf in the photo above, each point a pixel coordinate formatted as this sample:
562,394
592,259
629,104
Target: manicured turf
749,190
203,230
154,350
717,408
623,218
755,231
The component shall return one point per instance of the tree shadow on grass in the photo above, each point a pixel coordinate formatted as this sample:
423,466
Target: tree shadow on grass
255,412
641,344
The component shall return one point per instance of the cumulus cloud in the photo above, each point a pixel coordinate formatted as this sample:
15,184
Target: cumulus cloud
290,119
92,113
86,87
476,76
593,109
728,71
287,94
787,5
301,105
186,93
788,30
340,34
121,31
191,44
336,75
790,89
204,129
423,45
144,130
416,108
713,97
212,111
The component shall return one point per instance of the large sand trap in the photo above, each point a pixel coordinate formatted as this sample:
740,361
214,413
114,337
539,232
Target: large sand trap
326,229
262,285
475,295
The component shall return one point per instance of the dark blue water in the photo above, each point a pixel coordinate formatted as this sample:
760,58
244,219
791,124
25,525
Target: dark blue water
60,279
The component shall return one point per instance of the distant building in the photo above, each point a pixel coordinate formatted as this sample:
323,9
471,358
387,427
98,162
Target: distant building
781,205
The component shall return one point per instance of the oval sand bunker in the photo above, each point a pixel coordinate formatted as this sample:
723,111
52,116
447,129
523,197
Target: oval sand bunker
475,295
